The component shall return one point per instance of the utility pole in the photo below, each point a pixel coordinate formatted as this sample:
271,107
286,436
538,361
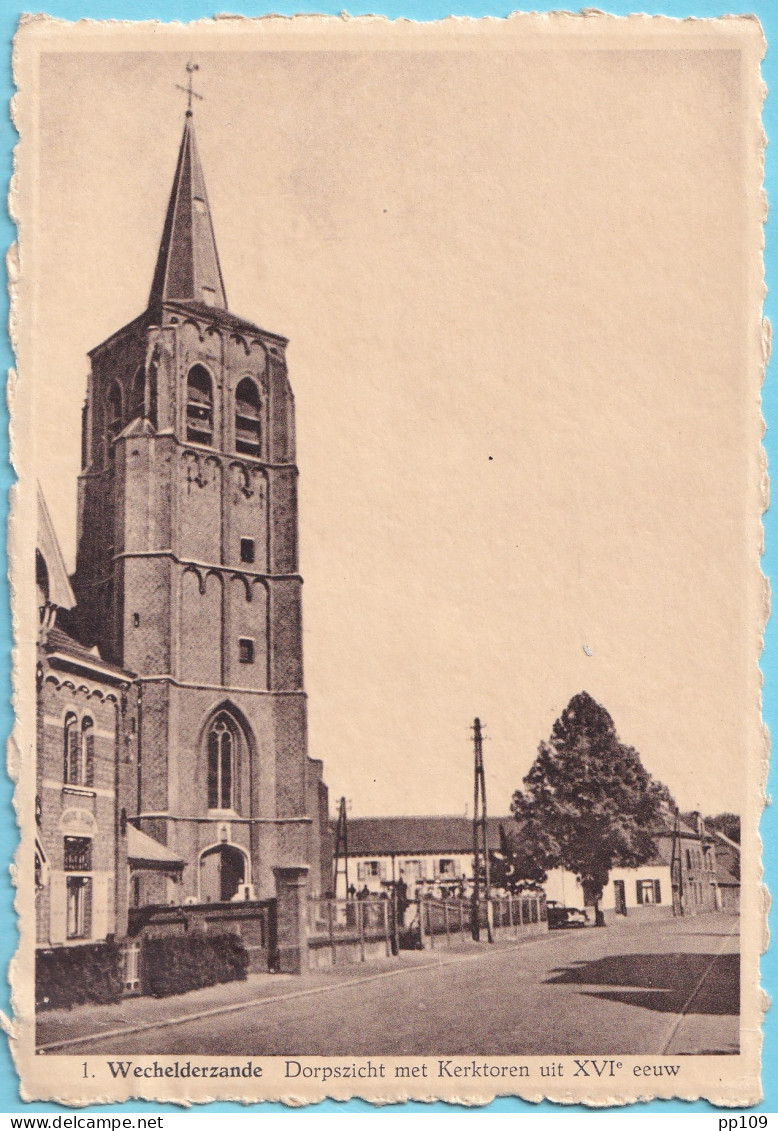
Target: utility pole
480,841
676,862
341,850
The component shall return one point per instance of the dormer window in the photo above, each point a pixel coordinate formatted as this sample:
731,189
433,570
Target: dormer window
199,406
248,424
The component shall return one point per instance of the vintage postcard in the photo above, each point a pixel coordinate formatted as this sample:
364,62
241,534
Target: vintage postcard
460,323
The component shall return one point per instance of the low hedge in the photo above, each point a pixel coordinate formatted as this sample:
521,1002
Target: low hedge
177,963
78,975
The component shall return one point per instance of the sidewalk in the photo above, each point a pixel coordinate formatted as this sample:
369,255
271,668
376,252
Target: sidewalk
60,1025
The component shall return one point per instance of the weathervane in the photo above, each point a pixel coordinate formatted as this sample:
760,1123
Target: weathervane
188,91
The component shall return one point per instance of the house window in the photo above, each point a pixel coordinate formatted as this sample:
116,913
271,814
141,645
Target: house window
199,406
446,867
87,752
248,426
246,650
370,870
411,870
78,854
70,774
648,891
79,907
221,765
79,767
247,550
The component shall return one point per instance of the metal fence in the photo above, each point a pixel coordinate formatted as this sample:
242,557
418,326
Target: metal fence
428,922
359,925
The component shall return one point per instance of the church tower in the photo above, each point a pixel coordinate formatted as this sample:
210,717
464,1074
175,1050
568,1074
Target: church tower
187,571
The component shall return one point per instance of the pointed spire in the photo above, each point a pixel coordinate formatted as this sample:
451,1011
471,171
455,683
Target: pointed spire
188,263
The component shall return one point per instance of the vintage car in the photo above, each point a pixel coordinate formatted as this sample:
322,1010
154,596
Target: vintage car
560,916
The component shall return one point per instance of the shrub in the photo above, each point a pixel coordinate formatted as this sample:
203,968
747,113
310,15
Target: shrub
78,975
177,963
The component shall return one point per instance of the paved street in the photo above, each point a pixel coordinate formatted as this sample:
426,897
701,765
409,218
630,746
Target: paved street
670,987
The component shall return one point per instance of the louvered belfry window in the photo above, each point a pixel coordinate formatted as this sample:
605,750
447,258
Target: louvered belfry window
199,406
248,419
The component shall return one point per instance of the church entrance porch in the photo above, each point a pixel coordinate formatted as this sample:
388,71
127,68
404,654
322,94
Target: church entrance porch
223,869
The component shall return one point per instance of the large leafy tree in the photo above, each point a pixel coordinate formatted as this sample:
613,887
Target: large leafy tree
588,804
516,866
727,823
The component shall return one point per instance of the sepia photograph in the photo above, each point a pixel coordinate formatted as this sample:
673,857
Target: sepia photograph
388,434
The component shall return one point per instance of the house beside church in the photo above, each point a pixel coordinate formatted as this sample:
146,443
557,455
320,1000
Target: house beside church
692,871
172,736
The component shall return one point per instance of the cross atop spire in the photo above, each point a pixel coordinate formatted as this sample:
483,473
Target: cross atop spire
188,90
188,263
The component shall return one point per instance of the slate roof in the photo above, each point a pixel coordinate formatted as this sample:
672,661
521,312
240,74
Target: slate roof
188,262
409,836
382,836
60,643
143,849
60,591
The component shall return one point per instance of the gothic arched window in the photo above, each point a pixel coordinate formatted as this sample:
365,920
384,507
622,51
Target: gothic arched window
72,750
222,751
248,423
199,406
113,416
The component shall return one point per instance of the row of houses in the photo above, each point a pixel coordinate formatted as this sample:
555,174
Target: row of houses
695,868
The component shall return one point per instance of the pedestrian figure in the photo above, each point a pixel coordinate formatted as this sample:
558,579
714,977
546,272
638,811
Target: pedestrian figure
402,901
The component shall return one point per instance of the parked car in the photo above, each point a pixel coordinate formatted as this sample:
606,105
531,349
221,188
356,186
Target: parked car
560,916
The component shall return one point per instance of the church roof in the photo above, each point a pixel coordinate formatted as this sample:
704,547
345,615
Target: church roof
65,651
144,850
60,592
188,263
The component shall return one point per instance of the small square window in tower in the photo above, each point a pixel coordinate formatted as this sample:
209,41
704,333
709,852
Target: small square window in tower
247,550
246,651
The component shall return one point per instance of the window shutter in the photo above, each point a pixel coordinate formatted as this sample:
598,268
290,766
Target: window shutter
89,757
360,871
657,891
383,869
99,901
58,908
639,890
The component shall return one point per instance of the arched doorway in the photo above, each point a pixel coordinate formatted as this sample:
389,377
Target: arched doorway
222,871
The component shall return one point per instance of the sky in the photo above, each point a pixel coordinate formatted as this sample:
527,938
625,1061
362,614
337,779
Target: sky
512,284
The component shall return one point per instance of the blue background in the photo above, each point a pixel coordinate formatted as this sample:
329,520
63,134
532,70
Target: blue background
767,11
